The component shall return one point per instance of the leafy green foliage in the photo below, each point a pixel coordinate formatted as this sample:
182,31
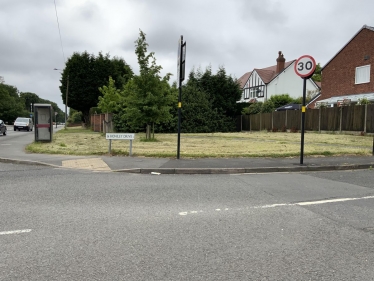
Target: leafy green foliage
111,97
147,97
14,104
86,73
280,100
10,104
317,76
75,117
209,102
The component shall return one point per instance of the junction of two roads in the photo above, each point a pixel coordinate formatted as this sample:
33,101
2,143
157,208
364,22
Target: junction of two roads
79,224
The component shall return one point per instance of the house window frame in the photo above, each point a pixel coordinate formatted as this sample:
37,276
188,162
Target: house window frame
357,81
246,93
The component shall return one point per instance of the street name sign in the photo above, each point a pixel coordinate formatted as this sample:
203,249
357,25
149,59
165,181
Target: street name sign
119,136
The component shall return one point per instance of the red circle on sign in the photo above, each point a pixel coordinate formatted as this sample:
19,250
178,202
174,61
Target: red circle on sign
305,66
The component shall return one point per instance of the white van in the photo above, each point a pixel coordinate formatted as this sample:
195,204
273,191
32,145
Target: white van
23,123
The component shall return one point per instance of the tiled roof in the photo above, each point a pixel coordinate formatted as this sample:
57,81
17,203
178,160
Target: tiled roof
269,73
364,27
242,80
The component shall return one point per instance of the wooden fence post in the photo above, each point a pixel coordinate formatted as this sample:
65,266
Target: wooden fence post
286,120
341,117
319,119
366,115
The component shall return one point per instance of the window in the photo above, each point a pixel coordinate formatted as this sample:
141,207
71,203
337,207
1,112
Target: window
252,93
362,74
246,93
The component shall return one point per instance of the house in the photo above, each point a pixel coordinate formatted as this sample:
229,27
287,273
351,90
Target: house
349,75
262,83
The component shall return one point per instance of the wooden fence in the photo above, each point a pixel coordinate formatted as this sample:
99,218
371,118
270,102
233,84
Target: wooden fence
102,123
358,118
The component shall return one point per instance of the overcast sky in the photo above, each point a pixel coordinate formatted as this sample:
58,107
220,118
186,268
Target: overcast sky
238,34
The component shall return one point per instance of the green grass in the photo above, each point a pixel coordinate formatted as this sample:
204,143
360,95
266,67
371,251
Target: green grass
80,141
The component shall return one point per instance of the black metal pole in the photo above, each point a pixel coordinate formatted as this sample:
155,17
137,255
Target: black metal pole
303,123
180,97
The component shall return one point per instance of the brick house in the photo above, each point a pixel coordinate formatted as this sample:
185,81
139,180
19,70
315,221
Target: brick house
260,84
349,75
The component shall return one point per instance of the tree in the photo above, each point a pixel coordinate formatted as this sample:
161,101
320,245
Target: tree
280,100
317,73
10,104
222,92
111,97
147,96
86,74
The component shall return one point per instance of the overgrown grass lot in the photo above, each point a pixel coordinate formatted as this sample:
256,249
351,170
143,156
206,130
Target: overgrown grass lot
79,141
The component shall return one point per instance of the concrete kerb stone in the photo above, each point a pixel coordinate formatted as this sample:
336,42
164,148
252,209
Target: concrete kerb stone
27,162
247,170
213,170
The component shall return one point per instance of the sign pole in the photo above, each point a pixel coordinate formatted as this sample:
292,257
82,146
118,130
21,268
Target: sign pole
304,67
303,123
180,74
179,96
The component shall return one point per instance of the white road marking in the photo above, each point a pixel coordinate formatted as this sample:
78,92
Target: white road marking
333,200
15,231
310,203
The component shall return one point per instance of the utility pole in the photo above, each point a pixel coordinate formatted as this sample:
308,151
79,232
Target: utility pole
66,102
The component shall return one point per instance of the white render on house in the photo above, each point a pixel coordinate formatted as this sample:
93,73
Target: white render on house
261,84
288,82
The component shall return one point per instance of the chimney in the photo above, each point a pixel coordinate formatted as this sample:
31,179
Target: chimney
280,62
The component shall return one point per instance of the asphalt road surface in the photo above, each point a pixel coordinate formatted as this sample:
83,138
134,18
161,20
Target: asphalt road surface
58,224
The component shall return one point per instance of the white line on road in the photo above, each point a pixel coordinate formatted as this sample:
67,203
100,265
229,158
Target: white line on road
15,231
310,203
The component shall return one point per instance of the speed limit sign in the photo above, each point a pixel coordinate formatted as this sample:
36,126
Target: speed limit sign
305,66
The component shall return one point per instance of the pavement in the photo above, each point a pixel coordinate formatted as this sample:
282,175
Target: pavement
145,165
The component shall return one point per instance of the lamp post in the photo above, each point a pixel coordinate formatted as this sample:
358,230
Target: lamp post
66,99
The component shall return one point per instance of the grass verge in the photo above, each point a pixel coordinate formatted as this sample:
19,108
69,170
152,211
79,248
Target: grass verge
79,141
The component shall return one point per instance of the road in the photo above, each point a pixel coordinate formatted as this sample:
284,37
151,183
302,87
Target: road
58,224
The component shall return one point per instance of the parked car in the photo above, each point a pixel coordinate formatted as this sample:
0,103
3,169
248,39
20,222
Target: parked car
23,123
2,128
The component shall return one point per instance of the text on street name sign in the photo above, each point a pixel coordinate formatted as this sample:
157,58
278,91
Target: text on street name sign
119,136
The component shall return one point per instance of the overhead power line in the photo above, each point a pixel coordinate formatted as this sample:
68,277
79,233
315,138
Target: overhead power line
59,31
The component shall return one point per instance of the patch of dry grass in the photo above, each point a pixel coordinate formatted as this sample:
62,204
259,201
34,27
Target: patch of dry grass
75,141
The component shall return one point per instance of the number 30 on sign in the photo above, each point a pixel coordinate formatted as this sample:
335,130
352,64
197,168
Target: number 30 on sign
305,66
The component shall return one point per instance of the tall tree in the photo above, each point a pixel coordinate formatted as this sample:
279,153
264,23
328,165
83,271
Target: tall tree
222,92
147,96
11,105
111,97
86,73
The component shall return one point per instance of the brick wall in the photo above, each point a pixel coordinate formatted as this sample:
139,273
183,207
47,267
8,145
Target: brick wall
338,77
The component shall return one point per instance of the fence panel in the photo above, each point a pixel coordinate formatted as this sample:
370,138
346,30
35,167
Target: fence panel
266,121
294,119
330,119
255,122
279,119
370,118
358,118
312,120
246,122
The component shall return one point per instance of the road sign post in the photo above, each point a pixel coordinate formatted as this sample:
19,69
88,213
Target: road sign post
304,67
180,78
